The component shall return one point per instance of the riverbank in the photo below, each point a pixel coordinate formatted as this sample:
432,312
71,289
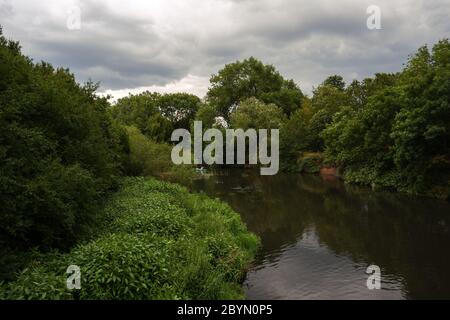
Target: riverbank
155,241
317,163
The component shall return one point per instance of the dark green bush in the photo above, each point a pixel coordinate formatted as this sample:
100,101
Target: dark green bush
59,151
310,162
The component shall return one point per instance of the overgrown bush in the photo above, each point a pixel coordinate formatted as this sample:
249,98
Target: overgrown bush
59,152
399,139
310,162
158,241
150,158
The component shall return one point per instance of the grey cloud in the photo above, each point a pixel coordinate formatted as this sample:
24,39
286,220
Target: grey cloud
305,40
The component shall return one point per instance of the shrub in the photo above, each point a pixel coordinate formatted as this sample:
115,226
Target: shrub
310,162
150,158
59,152
158,241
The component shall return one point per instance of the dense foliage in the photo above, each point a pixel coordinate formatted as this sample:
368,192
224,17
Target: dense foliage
149,158
157,115
251,78
158,242
59,152
62,148
400,137
390,131
253,113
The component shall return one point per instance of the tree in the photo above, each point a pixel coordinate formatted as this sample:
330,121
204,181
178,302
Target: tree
396,130
179,108
335,81
252,113
328,98
59,151
157,115
251,78
207,115
136,109
294,136
422,128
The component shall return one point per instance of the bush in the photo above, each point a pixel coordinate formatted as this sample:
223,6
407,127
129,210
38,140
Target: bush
150,158
59,151
310,162
158,241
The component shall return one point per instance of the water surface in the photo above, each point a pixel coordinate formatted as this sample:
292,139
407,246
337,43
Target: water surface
319,236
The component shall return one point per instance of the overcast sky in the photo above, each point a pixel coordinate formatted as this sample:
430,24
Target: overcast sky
176,45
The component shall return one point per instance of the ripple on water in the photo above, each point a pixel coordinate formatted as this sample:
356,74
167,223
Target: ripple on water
309,270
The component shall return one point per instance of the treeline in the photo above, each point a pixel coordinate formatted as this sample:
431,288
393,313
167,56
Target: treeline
390,131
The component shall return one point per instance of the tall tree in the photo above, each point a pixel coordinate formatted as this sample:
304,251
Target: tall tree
59,150
251,78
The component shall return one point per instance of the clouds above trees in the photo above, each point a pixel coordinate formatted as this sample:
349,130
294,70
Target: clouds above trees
176,45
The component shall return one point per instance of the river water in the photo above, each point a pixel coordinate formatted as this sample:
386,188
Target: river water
319,235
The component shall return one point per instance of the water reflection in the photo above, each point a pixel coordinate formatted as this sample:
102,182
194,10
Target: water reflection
319,235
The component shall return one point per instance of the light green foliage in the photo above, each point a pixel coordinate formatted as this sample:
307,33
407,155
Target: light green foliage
158,241
156,115
150,158
252,113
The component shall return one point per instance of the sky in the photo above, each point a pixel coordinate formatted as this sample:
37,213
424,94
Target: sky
176,45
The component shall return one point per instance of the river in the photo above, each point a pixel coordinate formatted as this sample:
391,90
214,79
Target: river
319,235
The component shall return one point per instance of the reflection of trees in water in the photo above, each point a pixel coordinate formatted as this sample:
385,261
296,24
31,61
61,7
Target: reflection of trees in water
406,236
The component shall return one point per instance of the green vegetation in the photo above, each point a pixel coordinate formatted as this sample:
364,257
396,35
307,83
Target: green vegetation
399,139
241,80
310,162
158,241
253,113
64,151
149,158
156,115
59,152
391,131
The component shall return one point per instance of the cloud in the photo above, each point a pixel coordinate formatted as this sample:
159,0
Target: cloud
174,43
189,84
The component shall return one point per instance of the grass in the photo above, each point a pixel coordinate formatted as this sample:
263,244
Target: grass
156,241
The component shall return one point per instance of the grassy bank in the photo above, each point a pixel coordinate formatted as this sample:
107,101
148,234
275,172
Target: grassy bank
156,241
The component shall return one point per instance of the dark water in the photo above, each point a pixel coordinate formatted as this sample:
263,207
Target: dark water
319,236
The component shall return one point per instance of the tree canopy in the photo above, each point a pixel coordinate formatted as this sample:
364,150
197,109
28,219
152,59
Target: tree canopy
251,78
59,151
